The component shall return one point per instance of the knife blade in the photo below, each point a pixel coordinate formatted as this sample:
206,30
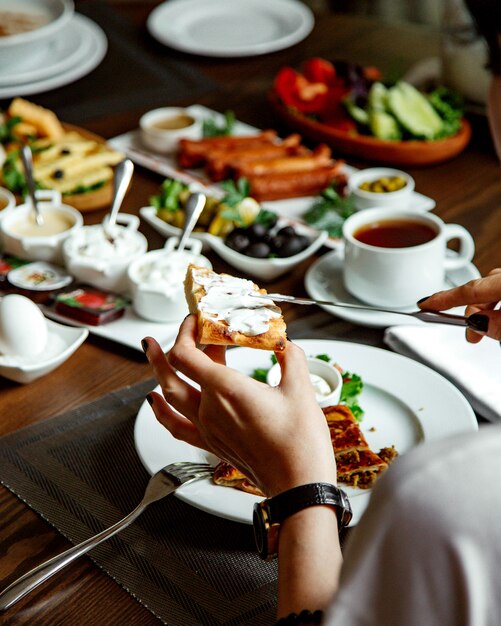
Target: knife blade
437,317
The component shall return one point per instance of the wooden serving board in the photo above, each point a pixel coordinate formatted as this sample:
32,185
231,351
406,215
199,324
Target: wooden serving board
92,200
412,153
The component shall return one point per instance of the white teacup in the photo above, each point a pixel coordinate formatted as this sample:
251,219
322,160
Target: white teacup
378,272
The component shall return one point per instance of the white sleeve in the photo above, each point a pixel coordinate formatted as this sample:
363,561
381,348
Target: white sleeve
428,549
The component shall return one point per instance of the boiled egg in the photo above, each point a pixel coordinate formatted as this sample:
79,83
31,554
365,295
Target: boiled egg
23,328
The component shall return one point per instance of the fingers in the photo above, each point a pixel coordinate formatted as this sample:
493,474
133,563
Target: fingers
178,426
216,354
188,359
480,291
181,394
486,323
294,367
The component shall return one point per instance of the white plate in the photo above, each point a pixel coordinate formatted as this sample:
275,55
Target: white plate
324,281
292,208
62,343
79,49
127,330
230,28
404,402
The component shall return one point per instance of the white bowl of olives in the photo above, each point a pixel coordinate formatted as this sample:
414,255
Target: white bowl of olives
266,251
381,187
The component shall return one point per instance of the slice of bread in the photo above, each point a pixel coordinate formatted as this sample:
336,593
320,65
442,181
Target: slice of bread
227,315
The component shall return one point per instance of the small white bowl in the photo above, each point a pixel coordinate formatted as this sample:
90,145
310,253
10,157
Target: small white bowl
7,200
44,247
161,129
91,259
399,199
156,280
63,341
326,379
21,50
266,269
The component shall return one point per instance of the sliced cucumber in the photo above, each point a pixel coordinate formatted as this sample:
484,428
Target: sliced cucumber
413,111
357,113
377,98
384,126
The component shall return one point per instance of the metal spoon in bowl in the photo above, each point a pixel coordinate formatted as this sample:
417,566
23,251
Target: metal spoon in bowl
121,180
194,206
27,159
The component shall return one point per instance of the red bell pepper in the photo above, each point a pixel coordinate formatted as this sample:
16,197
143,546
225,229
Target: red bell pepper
318,70
298,92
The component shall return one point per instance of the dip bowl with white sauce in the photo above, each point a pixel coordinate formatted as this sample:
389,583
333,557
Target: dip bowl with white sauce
324,376
28,29
156,280
23,237
100,256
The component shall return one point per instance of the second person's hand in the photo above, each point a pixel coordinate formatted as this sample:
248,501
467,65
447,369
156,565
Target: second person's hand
480,296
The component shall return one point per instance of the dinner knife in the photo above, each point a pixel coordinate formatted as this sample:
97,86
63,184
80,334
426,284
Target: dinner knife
437,317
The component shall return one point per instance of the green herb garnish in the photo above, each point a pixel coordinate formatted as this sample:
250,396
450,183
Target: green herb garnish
211,128
329,211
169,196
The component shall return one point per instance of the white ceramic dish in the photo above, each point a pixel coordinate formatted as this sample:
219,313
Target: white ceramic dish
292,208
404,402
82,41
317,368
263,269
163,139
20,49
63,341
127,330
225,28
363,199
39,247
156,280
101,264
7,200
324,281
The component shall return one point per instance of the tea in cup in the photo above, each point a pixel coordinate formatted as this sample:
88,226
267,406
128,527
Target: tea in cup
394,258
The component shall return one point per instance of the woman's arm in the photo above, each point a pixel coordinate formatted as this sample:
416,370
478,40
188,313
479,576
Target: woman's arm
277,436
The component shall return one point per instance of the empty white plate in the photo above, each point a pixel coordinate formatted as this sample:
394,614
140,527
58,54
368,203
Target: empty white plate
78,49
230,28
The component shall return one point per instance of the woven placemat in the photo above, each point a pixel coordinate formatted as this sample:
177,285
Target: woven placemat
81,473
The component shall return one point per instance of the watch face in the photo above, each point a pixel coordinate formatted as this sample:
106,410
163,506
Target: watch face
265,533
259,531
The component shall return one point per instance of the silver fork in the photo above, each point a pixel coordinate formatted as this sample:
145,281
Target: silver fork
161,484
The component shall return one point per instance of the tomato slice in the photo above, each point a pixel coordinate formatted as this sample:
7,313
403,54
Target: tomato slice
318,70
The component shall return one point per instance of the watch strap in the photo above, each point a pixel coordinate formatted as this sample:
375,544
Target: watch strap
293,500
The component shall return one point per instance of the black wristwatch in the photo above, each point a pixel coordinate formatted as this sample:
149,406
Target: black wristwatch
270,513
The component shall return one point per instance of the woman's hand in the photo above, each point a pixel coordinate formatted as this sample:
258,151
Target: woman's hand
277,436
480,296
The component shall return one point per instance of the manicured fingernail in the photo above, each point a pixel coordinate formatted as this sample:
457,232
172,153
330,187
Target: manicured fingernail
423,299
144,346
478,322
150,399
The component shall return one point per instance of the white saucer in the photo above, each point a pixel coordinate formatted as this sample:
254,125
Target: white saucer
230,28
324,281
79,49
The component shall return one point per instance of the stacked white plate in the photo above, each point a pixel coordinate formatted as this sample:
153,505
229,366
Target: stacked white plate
73,53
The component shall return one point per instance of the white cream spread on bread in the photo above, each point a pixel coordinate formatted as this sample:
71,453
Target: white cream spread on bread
228,298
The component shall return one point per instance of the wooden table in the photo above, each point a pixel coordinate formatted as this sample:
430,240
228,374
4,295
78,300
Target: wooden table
467,191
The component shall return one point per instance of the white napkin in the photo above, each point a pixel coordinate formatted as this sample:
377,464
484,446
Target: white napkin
474,368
